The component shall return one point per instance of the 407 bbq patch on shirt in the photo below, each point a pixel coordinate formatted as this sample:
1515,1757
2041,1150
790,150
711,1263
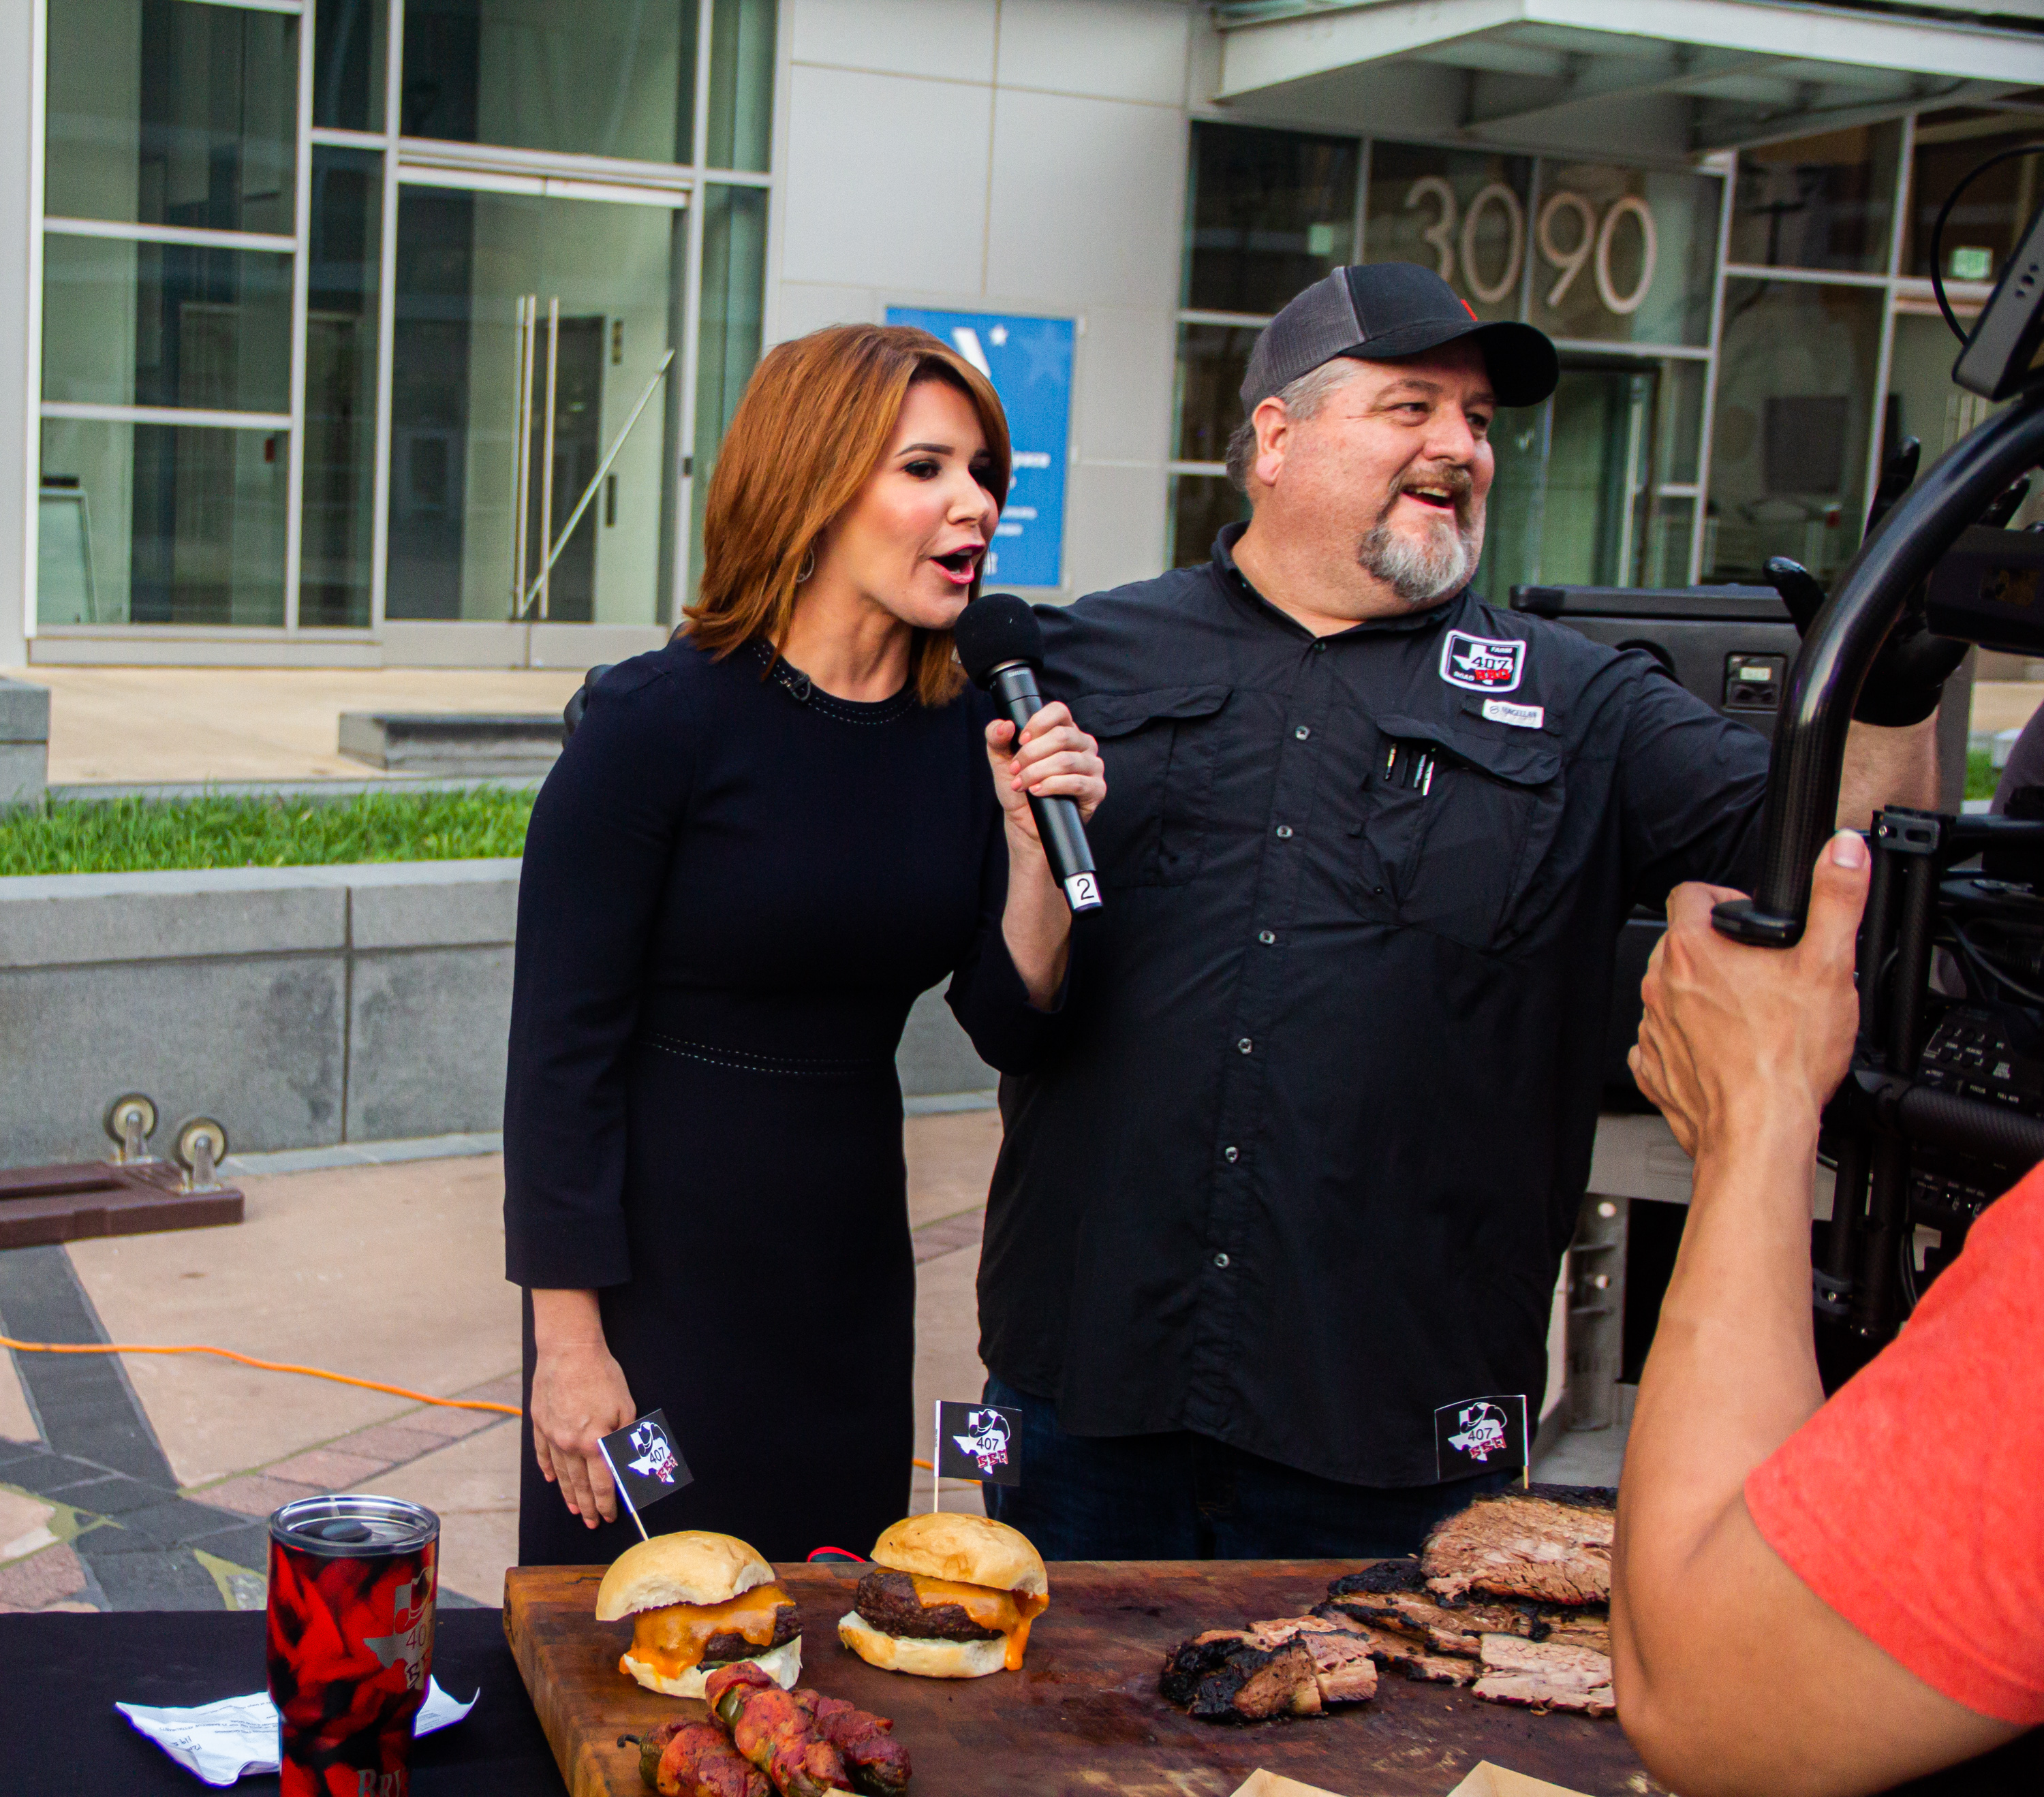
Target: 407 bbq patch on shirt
1297,1164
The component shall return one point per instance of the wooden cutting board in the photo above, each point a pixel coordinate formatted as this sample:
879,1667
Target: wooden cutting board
1082,1718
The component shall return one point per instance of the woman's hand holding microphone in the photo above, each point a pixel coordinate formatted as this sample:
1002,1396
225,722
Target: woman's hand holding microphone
1053,758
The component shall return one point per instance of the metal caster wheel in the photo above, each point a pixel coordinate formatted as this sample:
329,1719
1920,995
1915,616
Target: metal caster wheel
201,1146
130,1120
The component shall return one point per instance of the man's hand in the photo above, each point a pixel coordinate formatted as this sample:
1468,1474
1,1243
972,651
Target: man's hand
1731,1031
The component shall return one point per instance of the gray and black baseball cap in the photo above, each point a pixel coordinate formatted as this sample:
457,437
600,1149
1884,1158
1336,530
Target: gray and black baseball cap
1383,310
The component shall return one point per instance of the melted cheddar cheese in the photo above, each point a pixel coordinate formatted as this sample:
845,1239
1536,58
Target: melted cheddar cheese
1009,1613
672,1640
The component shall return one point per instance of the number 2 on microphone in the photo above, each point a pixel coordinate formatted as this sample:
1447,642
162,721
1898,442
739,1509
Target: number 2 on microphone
1082,892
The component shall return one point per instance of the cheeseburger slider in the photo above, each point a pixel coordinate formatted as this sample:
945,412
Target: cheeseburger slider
702,1601
949,1597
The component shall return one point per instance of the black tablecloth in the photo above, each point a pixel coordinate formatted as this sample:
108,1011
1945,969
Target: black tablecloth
61,1675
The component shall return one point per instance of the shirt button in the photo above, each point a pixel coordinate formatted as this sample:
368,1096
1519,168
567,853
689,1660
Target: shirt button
1231,1155
1318,645
1220,1260
1302,733
1283,832
1244,1046
1266,937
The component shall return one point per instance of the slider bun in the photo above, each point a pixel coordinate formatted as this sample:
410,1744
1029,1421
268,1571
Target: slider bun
694,1566
783,1666
971,1550
925,1659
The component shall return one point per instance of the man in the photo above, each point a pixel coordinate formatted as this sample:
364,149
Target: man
1290,1193
1811,1598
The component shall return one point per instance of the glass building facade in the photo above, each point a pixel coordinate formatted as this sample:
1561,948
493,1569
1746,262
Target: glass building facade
365,320
1741,344
343,324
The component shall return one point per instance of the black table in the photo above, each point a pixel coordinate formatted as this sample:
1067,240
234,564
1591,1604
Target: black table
61,1675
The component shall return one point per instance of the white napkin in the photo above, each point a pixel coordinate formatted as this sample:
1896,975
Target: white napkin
221,1741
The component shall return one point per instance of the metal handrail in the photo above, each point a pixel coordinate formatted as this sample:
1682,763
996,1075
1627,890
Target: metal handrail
589,492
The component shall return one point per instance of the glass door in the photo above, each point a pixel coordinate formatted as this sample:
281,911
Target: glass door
533,458
1575,477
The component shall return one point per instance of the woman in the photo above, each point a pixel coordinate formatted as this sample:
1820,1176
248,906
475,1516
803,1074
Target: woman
762,842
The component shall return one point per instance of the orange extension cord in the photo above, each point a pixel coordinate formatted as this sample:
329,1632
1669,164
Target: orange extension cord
249,1360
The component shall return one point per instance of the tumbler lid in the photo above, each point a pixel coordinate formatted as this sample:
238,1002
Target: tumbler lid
347,1526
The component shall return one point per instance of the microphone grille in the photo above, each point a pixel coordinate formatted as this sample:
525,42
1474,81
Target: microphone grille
995,628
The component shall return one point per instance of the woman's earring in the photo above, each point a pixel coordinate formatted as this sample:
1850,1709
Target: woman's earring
809,565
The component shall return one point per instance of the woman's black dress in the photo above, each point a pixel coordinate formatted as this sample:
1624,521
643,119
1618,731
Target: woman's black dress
734,888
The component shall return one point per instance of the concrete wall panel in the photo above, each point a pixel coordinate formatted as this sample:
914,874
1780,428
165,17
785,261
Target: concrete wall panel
237,993
1116,527
809,305
1086,199
59,919
886,180
1107,49
951,39
426,1036
1127,365
254,1042
936,1055
433,904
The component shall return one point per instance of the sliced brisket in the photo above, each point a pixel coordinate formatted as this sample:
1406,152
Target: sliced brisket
1551,1543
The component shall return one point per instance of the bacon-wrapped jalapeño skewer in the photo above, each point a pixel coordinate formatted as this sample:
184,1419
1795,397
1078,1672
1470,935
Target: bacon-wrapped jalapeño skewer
697,1760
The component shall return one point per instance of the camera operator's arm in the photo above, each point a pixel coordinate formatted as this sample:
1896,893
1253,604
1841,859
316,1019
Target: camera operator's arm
1733,1675
1887,765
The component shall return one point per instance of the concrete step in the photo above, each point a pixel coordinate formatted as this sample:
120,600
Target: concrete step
452,742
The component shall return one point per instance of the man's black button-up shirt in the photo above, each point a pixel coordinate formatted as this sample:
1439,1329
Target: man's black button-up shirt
1303,1163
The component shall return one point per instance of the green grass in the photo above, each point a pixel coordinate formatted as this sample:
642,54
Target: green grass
135,836
1981,774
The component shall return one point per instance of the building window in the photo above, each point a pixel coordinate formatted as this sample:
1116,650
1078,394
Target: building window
600,78
1818,202
1986,224
1597,486
169,199
243,423
1795,405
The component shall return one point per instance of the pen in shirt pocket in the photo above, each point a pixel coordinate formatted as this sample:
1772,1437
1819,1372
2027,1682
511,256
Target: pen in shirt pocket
1409,765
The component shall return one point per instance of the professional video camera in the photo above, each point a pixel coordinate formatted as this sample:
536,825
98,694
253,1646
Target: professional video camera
1944,1107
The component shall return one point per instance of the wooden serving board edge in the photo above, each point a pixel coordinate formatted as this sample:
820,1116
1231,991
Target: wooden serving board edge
584,1776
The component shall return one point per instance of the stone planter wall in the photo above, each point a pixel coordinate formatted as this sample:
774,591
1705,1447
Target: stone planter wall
304,1007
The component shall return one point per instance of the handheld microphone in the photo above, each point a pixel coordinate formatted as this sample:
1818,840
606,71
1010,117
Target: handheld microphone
1000,644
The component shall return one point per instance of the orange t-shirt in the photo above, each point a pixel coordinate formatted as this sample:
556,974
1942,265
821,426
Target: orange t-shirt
1913,1502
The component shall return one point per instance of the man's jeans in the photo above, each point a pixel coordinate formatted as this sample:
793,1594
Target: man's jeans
1183,1496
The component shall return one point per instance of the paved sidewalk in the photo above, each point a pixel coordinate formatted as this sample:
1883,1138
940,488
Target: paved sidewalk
124,724
119,725
141,1482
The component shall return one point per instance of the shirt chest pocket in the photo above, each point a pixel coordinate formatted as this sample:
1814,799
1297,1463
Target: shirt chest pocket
1458,829
1160,748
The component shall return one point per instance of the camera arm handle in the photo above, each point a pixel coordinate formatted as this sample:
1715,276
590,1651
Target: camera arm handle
1804,772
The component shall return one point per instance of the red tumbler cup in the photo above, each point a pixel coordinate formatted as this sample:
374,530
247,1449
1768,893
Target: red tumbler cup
352,1586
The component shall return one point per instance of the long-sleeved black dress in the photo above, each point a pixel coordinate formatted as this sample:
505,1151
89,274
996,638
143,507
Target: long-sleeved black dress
734,888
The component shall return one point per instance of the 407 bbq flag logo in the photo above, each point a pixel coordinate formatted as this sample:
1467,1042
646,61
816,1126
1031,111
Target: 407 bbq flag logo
1482,664
1480,1435
979,1441
643,1460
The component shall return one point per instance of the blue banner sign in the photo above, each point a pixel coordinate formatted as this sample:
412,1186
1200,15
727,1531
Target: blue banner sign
1029,361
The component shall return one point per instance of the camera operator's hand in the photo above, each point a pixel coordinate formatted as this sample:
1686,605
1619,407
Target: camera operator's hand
1736,1039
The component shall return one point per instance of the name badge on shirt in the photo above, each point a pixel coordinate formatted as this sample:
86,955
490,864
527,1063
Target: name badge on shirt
1519,717
1480,1435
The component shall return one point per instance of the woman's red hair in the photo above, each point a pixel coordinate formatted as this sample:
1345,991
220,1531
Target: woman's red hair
814,424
